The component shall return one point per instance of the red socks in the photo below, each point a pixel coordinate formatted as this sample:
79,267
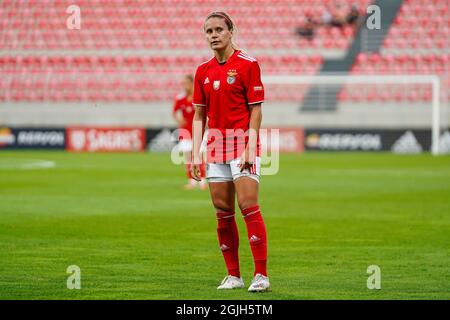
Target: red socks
256,231
229,241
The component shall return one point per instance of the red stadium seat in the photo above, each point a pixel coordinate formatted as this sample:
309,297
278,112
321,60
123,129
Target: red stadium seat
143,30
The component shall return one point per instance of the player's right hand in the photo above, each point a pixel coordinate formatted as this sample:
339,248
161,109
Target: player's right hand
195,172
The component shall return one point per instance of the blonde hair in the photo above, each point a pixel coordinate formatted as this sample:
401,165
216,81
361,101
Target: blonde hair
228,21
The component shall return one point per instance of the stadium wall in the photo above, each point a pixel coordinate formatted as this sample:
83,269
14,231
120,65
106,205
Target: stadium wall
164,139
154,115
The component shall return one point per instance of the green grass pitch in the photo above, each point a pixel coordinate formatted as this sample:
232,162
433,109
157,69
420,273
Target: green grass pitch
135,234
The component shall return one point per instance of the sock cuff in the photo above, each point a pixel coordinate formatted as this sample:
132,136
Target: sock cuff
250,210
224,215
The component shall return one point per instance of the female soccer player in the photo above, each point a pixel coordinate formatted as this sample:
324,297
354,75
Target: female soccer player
183,113
229,92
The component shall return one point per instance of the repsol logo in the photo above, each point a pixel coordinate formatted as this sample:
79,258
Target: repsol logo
40,138
344,141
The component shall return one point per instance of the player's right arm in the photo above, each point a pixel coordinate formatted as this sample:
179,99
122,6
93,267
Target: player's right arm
198,125
198,129
177,114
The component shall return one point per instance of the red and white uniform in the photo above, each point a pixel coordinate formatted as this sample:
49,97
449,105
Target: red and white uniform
183,105
187,110
226,91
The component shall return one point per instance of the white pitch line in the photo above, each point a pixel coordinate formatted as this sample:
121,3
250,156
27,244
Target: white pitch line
27,164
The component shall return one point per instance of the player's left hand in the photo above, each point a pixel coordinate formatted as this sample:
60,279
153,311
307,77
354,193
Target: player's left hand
245,162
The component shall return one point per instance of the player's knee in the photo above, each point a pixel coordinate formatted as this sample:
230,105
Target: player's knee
247,203
223,206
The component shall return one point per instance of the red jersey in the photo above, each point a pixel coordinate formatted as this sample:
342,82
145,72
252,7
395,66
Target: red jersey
185,106
226,91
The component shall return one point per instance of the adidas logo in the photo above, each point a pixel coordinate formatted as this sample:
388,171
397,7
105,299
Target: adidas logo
407,143
254,238
444,142
206,81
224,247
162,142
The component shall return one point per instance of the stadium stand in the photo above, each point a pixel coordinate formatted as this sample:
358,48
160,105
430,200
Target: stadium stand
138,50
118,54
172,24
423,52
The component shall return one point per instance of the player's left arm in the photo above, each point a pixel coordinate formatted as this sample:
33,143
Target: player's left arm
254,126
255,97
248,157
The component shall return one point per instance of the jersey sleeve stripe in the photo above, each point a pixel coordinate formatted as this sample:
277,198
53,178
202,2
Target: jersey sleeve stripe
199,105
245,58
256,102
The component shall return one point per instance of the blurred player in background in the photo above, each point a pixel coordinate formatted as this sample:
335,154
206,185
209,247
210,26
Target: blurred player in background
229,92
183,113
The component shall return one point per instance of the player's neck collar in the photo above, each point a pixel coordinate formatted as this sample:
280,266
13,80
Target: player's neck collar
229,58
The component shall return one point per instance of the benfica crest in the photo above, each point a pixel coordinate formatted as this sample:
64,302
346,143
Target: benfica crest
231,76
